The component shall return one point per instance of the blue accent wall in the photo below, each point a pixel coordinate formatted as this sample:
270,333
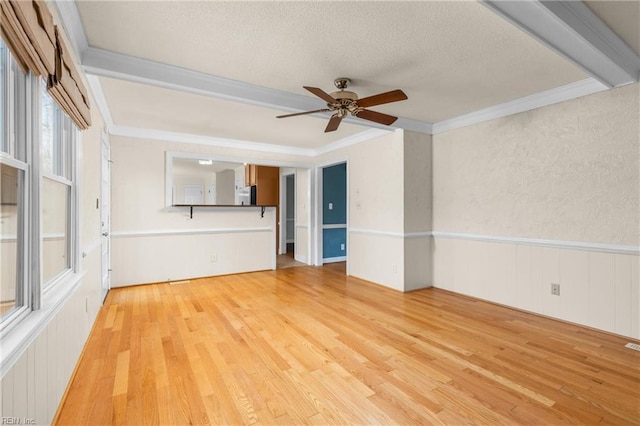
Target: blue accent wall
331,240
334,191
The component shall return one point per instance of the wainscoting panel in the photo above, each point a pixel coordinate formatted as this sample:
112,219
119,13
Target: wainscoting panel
597,288
417,262
302,244
141,260
377,258
33,387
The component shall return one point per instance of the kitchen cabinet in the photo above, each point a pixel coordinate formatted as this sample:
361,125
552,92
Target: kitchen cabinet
250,174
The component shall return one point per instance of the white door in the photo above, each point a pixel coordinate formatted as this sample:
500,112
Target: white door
193,194
211,199
105,213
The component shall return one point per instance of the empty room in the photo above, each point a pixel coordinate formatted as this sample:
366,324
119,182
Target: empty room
319,212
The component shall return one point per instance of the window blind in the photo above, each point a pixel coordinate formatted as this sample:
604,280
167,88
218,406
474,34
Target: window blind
66,87
29,30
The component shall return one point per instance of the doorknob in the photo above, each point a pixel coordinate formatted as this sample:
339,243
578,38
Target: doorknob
105,234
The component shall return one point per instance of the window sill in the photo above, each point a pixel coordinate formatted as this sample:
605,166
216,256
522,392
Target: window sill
23,334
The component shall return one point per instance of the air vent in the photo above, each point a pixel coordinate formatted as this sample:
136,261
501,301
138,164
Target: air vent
633,346
179,282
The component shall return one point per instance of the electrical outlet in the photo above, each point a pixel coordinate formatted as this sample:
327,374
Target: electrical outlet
555,289
330,206
342,246
395,268
214,257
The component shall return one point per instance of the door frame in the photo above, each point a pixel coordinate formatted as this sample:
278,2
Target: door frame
284,172
105,215
319,193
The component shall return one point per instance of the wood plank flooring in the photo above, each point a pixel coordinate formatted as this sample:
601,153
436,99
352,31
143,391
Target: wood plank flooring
312,346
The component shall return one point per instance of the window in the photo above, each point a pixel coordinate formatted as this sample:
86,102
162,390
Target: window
13,191
38,193
56,189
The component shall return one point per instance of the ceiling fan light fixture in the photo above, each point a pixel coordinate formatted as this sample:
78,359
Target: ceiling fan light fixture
344,102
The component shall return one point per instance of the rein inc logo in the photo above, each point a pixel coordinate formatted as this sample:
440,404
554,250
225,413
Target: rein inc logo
17,421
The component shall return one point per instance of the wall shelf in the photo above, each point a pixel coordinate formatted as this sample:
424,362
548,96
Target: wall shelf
226,206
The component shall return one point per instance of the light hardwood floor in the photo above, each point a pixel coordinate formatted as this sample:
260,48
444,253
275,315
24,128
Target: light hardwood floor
310,345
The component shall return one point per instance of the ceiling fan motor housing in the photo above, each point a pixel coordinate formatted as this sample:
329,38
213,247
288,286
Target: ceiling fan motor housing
344,95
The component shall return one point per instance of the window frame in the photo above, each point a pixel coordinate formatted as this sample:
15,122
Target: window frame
37,297
16,133
63,172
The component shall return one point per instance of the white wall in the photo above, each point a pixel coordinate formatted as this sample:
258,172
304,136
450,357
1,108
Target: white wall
303,222
389,191
418,179
546,196
151,243
564,172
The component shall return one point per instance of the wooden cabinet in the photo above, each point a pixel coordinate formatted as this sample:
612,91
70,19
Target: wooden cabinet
250,174
267,182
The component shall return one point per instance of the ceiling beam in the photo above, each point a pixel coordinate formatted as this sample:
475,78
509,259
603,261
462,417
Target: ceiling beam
575,32
72,23
104,63
97,62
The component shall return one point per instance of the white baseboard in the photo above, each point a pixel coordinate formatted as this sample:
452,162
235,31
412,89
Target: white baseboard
334,259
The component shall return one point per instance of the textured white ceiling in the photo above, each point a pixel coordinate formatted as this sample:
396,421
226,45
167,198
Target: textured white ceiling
189,165
451,58
150,107
623,17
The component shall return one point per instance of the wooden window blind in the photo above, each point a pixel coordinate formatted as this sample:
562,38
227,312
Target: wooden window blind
67,88
36,44
28,30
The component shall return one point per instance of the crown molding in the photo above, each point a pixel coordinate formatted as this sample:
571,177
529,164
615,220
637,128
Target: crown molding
352,140
163,135
549,97
575,32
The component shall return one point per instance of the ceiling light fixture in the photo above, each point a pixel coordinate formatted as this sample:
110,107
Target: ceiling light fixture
205,162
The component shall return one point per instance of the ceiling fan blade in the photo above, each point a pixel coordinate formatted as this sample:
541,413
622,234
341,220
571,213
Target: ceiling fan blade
382,98
303,113
321,94
378,117
333,124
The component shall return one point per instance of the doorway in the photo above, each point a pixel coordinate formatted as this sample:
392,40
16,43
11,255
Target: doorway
289,215
333,213
286,252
